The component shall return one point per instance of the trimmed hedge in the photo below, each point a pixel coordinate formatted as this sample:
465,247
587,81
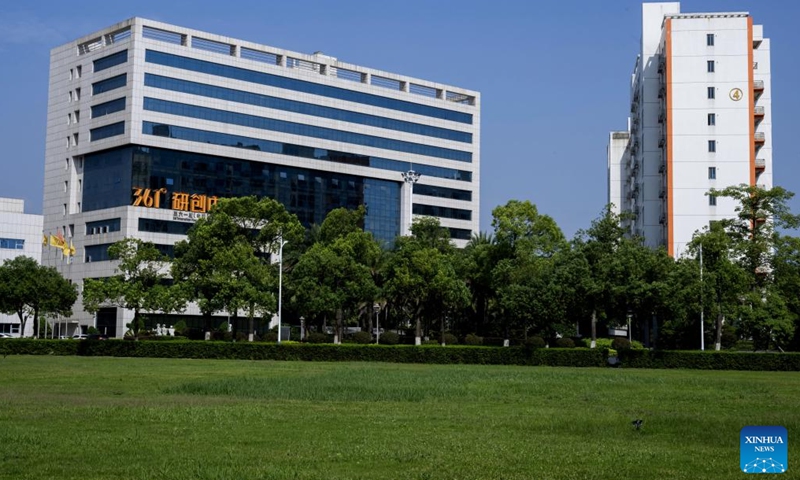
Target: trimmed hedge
709,360
309,352
556,357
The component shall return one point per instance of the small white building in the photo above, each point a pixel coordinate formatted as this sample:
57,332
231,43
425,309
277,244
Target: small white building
20,235
700,118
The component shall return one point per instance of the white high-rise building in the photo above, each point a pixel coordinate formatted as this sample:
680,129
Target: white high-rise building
700,119
148,124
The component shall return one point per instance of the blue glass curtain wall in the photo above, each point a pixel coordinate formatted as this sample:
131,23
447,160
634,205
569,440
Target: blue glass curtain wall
249,143
276,103
202,66
271,124
307,193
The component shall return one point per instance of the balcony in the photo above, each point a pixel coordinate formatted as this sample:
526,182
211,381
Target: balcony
662,64
759,111
760,137
662,116
761,164
662,91
662,167
662,193
661,142
663,220
758,85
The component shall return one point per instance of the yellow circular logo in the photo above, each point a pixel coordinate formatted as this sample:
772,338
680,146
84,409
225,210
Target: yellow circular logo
736,94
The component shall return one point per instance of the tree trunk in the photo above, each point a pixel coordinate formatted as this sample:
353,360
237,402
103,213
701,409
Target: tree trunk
718,334
594,328
207,325
234,321
441,329
337,336
251,324
418,337
369,324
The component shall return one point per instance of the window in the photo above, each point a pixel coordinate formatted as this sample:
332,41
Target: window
110,61
71,73
104,226
77,94
78,71
712,146
712,173
106,131
109,84
78,210
77,116
80,185
710,39
712,119
710,66
69,95
12,243
108,108
64,209
711,93
66,185
69,118
712,200
70,230
66,163
75,139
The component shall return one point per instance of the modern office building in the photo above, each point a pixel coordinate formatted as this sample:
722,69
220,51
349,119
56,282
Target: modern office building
700,119
20,235
149,124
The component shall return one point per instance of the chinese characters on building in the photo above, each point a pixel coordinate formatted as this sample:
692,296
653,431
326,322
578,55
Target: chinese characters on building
184,202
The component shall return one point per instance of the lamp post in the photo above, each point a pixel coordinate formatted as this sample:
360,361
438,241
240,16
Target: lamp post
281,242
377,308
410,178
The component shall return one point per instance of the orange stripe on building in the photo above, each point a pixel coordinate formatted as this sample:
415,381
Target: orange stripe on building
670,192
751,95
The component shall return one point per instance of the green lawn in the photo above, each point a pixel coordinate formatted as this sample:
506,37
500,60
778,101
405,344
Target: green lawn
119,418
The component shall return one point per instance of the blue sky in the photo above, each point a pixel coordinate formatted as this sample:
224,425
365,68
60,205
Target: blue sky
553,77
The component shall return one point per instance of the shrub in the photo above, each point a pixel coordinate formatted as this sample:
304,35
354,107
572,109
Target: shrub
729,337
535,342
314,337
271,337
179,327
473,339
92,331
450,339
620,343
389,338
565,343
362,338
430,342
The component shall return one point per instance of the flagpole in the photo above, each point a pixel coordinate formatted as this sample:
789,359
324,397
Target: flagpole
702,321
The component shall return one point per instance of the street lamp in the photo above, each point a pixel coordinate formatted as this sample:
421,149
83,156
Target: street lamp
410,178
281,242
377,308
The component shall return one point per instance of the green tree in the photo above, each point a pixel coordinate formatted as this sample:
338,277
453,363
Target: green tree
224,263
420,276
337,274
31,291
140,285
599,245
725,282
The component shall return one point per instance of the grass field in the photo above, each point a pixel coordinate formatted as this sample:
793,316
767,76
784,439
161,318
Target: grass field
118,418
